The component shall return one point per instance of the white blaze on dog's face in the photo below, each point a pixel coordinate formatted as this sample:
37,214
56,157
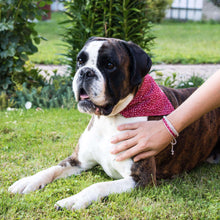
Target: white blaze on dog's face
108,71
89,83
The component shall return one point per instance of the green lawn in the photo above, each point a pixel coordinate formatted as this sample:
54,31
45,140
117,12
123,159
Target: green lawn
33,140
175,43
50,50
187,43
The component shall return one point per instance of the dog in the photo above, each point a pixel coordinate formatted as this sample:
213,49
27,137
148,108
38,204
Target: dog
110,73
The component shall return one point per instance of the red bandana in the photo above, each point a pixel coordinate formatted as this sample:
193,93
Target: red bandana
150,100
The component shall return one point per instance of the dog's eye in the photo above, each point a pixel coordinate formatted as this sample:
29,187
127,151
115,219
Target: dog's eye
109,65
80,61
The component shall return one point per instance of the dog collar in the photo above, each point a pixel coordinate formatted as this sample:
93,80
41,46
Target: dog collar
150,100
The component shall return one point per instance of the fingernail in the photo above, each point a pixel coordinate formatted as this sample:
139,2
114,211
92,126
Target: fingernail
118,159
113,139
119,127
135,160
112,151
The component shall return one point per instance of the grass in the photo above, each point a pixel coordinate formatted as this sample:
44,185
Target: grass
187,43
50,50
33,140
176,42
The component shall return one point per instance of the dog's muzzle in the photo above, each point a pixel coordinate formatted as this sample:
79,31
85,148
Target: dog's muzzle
90,92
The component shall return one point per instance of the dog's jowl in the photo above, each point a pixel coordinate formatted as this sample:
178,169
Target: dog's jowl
113,85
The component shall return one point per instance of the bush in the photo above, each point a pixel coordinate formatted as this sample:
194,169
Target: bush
171,81
126,20
156,9
193,81
5,102
55,94
17,36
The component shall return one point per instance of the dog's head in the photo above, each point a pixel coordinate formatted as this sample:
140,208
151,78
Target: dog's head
108,74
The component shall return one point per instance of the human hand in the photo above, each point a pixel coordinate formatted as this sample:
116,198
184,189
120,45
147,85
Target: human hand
140,140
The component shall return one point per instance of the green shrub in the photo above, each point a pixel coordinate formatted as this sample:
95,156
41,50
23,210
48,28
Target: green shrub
193,81
125,19
5,102
169,81
18,39
56,93
172,82
156,9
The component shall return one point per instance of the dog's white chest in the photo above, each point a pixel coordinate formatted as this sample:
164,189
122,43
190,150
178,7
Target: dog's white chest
95,145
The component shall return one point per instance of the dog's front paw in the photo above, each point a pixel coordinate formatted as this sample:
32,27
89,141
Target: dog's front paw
26,185
73,203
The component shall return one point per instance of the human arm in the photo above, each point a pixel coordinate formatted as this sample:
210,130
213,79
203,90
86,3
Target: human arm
144,139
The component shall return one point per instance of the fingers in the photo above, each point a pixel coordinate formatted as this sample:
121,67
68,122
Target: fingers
135,150
130,126
127,154
144,155
123,136
136,153
124,146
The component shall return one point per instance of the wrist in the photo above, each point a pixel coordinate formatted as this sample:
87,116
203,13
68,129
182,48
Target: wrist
170,128
177,121
172,131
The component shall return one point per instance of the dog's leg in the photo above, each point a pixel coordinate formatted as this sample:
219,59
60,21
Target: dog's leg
95,192
68,167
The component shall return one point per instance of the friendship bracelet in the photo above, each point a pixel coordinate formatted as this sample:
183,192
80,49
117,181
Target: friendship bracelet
170,127
172,132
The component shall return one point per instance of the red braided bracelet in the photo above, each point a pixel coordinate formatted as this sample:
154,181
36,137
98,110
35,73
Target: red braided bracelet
172,132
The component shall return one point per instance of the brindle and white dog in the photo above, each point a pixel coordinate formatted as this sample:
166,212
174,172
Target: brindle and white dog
109,74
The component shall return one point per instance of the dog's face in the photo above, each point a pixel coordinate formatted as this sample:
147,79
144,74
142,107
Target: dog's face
108,71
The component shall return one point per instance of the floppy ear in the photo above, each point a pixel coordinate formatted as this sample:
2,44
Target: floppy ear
140,62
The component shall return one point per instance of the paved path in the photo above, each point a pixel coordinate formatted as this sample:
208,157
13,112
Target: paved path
183,71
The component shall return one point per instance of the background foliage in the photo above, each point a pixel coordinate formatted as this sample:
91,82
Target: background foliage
125,19
175,42
18,38
55,93
171,47
156,9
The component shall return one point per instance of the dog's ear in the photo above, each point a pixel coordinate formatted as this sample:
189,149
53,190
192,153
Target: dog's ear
140,62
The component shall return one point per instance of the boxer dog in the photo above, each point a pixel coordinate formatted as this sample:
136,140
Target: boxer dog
112,84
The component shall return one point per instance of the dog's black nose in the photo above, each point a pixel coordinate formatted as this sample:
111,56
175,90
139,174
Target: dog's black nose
87,72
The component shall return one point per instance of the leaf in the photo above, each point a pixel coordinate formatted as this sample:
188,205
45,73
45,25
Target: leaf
37,40
6,83
42,4
43,38
6,26
24,57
